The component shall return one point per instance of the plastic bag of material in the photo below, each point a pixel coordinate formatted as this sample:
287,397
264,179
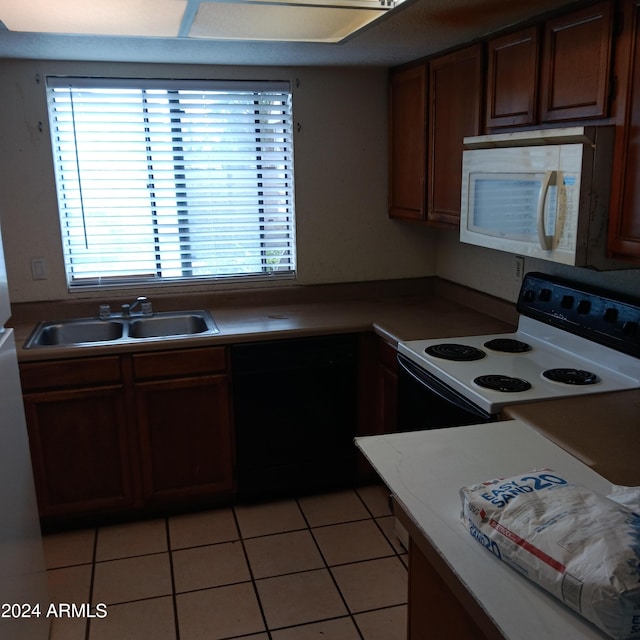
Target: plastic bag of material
577,544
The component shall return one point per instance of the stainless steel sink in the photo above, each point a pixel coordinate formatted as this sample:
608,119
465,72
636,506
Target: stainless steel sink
83,331
75,332
169,324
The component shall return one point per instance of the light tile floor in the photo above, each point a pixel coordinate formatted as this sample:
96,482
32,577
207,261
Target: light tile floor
326,566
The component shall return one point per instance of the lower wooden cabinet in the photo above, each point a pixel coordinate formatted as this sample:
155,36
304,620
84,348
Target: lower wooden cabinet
439,605
185,429
377,386
80,450
387,383
433,610
126,434
378,381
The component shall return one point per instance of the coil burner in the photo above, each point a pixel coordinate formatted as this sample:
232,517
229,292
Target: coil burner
508,345
502,383
457,352
571,376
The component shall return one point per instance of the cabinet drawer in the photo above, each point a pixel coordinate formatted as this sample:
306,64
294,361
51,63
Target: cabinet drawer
63,373
178,363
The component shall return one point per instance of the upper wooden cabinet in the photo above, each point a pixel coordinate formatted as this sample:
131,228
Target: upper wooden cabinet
407,143
624,217
512,79
455,107
425,141
576,61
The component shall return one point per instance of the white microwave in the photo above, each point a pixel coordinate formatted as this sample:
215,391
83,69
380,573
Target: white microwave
543,194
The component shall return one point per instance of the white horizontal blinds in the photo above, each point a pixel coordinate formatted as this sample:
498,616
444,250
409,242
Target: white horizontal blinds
172,180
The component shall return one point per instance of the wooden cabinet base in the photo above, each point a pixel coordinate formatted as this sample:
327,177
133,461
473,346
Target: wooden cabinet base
433,610
185,438
439,604
128,436
80,450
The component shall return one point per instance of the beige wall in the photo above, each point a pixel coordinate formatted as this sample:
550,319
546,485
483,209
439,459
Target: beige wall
343,231
494,271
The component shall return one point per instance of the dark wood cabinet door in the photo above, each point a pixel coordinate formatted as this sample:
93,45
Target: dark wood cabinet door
407,143
185,438
80,451
433,609
455,107
624,216
512,79
576,65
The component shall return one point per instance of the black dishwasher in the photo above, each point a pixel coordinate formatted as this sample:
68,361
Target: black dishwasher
295,409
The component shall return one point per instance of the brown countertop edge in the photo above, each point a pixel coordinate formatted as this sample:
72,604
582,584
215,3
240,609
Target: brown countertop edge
396,310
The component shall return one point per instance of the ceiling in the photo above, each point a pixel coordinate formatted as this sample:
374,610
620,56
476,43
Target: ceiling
412,30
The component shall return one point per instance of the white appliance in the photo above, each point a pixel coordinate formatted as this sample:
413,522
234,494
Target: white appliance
571,340
23,581
543,194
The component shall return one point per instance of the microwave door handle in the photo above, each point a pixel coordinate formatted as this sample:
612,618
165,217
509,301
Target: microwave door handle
546,241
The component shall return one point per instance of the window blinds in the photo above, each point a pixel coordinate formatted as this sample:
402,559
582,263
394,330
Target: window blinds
163,180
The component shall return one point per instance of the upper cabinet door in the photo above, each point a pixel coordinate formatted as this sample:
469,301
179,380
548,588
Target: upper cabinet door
512,79
455,108
576,65
624,214
407,143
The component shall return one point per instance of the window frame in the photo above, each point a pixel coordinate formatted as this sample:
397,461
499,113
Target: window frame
285,219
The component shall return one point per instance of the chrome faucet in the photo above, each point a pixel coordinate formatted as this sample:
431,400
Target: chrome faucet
145,307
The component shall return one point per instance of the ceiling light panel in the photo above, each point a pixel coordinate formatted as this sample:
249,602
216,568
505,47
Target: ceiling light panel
159,18
279,22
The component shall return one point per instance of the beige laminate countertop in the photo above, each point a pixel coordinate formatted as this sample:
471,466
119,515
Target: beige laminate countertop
601,430
403,317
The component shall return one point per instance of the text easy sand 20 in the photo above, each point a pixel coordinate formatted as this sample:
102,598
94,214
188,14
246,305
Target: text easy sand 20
577,544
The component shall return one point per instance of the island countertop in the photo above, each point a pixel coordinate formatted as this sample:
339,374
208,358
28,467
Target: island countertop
424,470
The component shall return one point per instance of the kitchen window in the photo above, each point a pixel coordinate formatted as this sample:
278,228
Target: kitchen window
162,181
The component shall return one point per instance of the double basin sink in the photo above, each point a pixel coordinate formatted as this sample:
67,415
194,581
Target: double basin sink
116,330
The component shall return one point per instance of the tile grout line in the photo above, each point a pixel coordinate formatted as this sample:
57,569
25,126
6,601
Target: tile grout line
328,568
251,575
174,596
94,555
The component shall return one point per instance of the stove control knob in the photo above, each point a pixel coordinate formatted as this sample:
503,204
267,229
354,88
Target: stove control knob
567,302
584,306
630,328
545,295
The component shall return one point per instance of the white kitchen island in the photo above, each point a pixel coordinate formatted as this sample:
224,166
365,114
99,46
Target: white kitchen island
457,589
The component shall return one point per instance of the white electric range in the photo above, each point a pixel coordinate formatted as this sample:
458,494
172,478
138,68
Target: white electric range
571,340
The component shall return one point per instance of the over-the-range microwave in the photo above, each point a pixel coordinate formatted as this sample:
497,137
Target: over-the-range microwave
542,193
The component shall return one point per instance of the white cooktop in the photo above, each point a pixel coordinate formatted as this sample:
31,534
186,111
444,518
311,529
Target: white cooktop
551,348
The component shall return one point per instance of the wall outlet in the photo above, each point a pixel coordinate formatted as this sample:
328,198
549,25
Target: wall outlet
519,269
